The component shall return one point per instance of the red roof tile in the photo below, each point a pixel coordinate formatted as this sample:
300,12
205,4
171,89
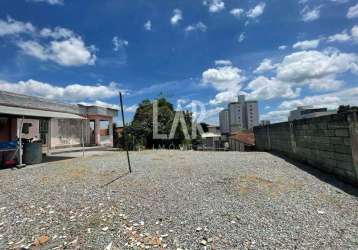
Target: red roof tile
244,137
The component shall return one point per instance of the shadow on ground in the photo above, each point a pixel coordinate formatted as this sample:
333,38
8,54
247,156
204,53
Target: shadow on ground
115,179
320,174
53,158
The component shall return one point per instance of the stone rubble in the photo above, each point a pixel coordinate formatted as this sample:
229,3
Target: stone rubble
176,200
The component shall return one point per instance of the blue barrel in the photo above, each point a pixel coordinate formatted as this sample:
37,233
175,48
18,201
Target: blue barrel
32,153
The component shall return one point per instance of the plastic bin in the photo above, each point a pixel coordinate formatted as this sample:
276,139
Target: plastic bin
32,153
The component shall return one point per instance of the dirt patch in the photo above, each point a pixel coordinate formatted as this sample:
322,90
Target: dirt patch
251,184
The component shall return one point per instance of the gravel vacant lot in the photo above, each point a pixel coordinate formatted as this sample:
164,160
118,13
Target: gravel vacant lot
176,200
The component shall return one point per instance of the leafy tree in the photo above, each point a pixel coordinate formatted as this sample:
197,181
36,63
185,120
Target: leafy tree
141,128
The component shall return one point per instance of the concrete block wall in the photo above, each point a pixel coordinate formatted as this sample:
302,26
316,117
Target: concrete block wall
329,143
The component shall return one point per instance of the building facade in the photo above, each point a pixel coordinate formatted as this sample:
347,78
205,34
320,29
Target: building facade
241,115
252,114
237,117
214,129
224,121
56,124
305,112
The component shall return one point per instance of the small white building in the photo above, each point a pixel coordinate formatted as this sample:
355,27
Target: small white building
305,112
214,129
56,124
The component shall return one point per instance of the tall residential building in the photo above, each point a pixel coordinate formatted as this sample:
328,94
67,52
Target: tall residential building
224,121
252,114
242,115
237,116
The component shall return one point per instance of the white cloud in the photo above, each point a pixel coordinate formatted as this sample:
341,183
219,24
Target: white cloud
308,44
325,84
201,113
331,101
309,15
13,27
257,11
223,62
148,25
131,109
119,43
225,96
196,27
72,52
275,116
353,11
241,37
227,80
177,17
345,36
282,47
302,1
341,37
237,12
72,92
210,115
347,96
56,33
265,65
65,47
34,49
340,1
265,88
303,66
354,32
69,52
181,102
223,78
51,2
214,5
315,69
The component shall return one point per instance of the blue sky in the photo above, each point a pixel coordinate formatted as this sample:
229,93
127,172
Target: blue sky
283,53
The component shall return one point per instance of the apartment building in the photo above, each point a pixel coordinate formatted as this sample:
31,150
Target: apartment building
237,118
224,121
252,114
240,115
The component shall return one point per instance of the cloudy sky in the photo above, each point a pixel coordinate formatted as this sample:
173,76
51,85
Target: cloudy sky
282,53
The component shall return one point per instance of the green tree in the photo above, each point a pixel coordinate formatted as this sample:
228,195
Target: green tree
141,128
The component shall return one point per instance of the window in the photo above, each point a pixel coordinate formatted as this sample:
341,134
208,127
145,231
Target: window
26,128
43,127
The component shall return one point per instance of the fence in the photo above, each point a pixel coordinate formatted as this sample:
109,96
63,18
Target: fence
329,143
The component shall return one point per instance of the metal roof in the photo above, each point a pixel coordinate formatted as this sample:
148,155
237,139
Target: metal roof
36,113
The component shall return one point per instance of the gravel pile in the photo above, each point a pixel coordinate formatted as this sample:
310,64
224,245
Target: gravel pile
175,200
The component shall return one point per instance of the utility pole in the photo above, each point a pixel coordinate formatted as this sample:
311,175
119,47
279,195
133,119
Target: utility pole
124,133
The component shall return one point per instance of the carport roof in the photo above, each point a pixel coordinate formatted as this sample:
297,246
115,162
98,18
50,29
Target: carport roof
16,111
